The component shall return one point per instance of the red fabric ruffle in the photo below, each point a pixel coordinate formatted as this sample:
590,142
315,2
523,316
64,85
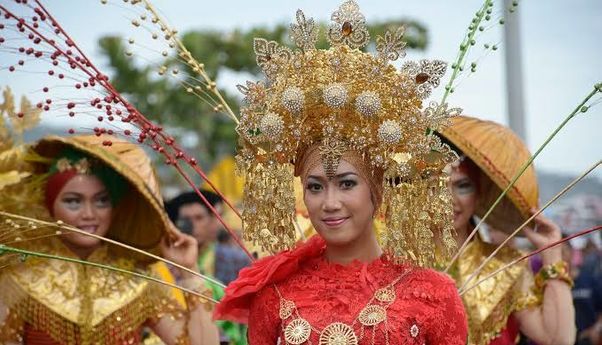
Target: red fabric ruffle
269,270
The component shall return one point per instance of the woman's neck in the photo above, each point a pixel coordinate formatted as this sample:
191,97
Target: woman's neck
364,248
462,234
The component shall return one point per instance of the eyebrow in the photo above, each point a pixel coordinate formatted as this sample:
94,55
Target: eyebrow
339,176
463,179
81,195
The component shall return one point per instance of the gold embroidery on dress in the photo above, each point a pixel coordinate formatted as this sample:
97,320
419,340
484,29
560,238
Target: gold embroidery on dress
489,305
49,295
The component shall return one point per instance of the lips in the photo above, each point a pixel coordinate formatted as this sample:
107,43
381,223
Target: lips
334,222
88,228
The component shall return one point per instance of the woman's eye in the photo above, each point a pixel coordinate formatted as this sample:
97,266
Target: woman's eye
314,187
464,188
103,201
348,184
72,203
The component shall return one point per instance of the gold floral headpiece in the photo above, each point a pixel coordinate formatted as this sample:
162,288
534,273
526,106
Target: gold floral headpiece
345,99
82,166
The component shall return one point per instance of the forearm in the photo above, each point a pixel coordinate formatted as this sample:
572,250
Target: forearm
193,325
202,330
558,314
557,311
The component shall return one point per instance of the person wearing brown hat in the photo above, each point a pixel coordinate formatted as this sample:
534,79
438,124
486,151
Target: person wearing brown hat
542,309
109,191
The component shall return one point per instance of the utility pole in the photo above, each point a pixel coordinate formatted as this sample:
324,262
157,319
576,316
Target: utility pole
515,106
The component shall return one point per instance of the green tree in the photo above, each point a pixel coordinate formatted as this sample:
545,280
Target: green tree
165,102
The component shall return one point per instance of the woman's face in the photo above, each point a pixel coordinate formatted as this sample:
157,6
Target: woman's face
464,192
340,209
85,204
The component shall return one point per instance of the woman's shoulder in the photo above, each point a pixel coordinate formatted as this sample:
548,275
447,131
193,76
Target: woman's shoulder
431,276
429,284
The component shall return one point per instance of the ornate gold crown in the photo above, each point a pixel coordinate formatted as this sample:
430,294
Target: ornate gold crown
344,99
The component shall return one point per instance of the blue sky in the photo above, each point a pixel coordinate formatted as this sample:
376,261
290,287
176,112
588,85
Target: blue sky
561,50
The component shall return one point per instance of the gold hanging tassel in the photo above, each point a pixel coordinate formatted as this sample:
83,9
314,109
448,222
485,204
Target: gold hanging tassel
269,205
419,227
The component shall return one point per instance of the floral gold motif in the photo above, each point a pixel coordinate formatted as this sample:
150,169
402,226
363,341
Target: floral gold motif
338,333
349,26
372,315
305,32
331,150
385,295
297,332
286,309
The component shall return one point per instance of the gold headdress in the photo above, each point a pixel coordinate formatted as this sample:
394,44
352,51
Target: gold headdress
346,100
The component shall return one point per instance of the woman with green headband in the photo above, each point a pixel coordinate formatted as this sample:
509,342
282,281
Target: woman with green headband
108,191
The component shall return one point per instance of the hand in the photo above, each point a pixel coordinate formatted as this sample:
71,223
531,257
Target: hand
545,233
181,249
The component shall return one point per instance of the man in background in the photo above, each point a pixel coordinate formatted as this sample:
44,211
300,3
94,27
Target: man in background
191,215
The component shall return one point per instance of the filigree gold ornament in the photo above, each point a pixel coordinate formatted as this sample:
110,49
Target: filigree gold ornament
297,332
342,99
254,93
426,74
305,32
331,151
385,295
338,333
439,115
271,126
368,103
349,26
389,132
335,95
372,315
286,308
82,166
391,47
269,54
293,99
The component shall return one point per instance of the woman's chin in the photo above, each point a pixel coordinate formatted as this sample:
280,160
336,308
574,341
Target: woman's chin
338,237
81,241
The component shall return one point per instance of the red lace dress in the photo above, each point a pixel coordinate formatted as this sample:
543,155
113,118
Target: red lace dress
427,309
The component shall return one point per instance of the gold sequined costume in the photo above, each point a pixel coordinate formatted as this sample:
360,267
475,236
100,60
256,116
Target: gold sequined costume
498,153
53,301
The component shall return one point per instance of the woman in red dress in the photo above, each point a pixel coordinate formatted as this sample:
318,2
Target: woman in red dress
353,128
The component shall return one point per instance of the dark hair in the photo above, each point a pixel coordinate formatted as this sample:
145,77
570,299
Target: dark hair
223,236
172,207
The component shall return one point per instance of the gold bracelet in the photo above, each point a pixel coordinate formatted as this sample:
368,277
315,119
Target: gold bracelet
192,300
558,270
